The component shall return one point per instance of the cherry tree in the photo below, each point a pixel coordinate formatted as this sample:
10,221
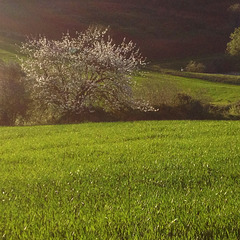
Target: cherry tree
77,74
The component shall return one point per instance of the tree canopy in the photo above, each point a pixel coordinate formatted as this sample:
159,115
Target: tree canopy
233,47
77,74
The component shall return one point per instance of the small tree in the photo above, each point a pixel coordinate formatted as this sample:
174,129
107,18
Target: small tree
233,47
78,74
13,97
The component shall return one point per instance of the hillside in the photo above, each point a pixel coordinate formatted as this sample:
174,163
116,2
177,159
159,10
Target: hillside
162,29
159,88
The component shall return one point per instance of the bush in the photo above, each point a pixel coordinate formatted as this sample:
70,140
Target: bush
195,67
13,97
189,108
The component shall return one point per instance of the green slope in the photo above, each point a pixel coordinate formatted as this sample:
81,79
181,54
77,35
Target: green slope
138,180
158,87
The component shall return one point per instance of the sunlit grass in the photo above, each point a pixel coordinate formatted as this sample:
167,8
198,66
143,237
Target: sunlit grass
156,84
133,180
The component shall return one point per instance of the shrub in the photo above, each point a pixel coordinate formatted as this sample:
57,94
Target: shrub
189,108
195,67
13,97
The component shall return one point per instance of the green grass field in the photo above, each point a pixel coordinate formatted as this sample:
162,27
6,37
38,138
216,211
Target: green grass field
132,180
157,87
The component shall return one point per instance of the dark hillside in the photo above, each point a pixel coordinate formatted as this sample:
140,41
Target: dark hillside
162,28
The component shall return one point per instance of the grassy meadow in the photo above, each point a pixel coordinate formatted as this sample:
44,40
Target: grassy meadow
142,180
159,87
125,180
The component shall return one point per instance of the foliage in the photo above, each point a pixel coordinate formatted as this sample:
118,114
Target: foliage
78,74
233,47
195,67
13,97
134,180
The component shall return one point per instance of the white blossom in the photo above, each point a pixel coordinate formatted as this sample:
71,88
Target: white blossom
78,73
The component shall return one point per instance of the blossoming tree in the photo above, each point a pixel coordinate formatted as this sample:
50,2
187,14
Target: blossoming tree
77,74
